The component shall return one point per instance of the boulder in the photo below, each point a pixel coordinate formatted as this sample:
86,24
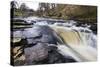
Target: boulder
36,53
40,34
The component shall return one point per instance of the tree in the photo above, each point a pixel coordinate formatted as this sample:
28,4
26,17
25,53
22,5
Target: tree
23,7
14,4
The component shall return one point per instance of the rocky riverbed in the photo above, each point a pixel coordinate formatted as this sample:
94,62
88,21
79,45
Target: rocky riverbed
42,42
38,45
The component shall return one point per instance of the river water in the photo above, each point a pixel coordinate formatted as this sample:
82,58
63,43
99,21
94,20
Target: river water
78,42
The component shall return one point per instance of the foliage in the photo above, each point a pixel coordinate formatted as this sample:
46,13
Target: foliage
59,11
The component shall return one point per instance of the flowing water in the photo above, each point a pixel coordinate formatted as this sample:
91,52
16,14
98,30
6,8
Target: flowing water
80,45
78,42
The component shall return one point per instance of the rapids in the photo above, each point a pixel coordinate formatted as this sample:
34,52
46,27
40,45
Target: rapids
77,42
80,45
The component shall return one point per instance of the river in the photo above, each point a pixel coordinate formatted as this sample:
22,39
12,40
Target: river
76,42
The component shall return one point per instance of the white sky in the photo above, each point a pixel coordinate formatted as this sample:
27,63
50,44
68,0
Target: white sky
31,4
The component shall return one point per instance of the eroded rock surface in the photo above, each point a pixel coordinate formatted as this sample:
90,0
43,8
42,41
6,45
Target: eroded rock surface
39,46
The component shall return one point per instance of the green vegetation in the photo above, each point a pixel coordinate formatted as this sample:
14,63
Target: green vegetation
58,11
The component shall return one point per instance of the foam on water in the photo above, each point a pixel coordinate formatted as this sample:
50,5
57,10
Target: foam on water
82,46
78,42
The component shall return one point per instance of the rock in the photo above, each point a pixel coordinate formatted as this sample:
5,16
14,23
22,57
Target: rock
52,48
16,36
94,28
40,34
48,39
14,40
39,46
55,57
31,33
36,53
17,54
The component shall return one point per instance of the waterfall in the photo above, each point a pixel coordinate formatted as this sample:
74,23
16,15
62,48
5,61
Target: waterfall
80,45
78,42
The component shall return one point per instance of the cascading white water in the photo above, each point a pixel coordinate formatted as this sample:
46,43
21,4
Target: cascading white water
80,45
79,42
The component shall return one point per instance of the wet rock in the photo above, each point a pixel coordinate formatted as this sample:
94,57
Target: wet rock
17,34
48,35
31,33
39,46
17,54
36,53
94,28
52,48
40,34
52,57
55,57
78,24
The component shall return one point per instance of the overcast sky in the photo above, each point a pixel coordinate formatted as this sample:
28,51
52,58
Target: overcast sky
31,4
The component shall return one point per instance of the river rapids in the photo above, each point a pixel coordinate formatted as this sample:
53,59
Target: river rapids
76,42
